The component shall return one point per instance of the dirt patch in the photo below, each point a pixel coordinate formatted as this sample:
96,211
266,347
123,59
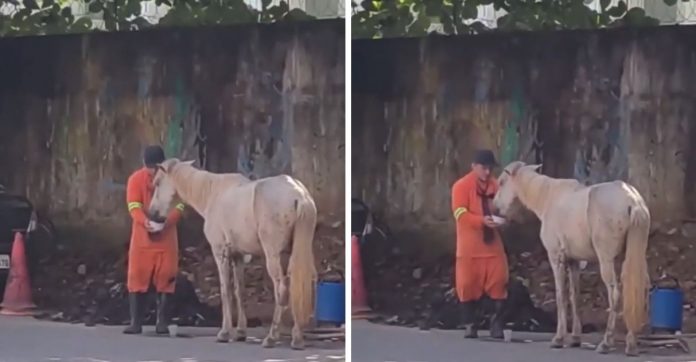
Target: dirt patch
406,288
85,284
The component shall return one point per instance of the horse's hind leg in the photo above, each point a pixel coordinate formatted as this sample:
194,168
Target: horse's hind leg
606,268
222,259
558,265
238,275
574,287
631,344
280,288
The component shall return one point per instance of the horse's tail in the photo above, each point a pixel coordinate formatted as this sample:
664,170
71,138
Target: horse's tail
634,273
301,267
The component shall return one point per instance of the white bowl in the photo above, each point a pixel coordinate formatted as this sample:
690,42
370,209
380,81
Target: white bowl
156,226
498,220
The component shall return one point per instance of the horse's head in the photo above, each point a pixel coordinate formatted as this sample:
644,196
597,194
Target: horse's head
164,189
506,199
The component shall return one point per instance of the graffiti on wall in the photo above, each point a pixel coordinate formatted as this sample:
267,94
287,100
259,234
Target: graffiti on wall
145,68
602,154
521,135
200,143
175,128
511,134
535,146
266,149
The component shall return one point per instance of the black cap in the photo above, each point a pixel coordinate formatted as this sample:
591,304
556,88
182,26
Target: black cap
153,155
485,157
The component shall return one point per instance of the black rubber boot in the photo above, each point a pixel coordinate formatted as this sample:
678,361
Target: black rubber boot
162,318
469,310
136,303
498,319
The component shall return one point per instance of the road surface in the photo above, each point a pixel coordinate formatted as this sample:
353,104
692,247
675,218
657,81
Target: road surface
28,340
378,343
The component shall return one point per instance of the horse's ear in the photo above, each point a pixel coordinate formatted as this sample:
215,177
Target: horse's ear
535,168
189,163
513,168
167,166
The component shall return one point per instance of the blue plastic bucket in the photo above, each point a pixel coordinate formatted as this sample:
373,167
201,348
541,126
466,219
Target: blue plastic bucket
331,302
666,308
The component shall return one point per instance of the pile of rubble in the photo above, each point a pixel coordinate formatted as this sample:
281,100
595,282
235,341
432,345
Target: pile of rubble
81,286
70,287
405,290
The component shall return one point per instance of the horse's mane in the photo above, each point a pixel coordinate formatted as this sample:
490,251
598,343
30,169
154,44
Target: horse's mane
537,189
196,187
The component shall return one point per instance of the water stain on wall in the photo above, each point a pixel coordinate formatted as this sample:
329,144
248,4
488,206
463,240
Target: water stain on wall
592,105
76,111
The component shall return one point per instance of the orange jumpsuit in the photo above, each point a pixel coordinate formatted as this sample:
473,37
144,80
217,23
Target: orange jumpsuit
480,267
152,258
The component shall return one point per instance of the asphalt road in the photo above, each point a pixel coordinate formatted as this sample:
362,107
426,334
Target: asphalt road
29,340
378,343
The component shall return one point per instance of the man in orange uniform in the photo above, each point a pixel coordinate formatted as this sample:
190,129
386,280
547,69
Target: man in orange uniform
481,264
153,255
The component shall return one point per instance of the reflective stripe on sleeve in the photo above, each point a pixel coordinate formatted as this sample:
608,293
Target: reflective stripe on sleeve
459,212
134,205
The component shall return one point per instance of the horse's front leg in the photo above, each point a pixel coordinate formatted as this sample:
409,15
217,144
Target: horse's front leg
238,275
574,288
222,259
558,265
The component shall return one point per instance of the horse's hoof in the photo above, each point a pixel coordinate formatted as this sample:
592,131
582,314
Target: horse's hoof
223,336
557,342
632,351
603,348
575,342
297,345
268,342
240,336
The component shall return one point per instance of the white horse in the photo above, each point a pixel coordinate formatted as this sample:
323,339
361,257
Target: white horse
586,223
270,217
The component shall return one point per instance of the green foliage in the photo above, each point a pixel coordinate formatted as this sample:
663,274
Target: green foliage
395,18
39,17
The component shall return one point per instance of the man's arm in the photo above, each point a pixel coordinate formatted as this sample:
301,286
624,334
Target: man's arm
174,215
460,206
135,202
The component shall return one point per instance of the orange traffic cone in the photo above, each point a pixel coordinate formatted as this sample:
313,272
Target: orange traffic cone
17,299
360,309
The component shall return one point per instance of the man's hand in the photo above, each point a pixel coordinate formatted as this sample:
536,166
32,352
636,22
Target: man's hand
149,227
488,221
153,227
